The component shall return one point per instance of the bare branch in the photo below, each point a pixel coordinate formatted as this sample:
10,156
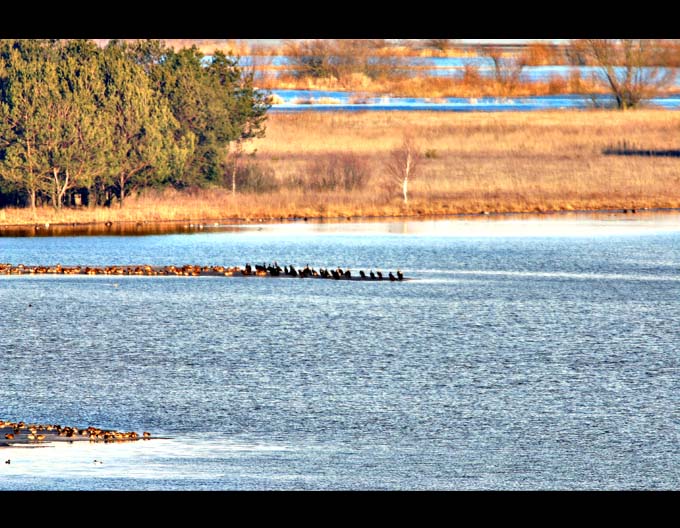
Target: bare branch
403,163
630,68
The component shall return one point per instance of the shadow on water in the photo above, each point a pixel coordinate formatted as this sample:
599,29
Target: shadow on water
117,229
420,224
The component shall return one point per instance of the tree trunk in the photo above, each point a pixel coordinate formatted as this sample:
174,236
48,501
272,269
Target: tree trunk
56,194
233,178
238,150
121,183
31,194
63,188
407,173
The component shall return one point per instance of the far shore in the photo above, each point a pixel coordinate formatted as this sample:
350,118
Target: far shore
543,162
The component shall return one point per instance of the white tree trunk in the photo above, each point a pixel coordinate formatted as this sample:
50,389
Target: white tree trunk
233,178
407,173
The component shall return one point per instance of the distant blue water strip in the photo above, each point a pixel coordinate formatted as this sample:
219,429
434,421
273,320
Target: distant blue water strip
332,101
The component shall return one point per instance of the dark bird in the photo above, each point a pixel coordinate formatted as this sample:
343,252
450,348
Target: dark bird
275,270
400,275
8,461
372,275
348,274
379,274
362,274
392,277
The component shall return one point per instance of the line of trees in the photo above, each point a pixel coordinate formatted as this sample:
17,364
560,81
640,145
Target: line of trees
80,123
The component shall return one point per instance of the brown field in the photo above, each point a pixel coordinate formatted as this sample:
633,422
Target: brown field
495,162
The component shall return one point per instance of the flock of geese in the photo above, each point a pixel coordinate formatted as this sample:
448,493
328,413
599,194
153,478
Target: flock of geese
21,432
271,270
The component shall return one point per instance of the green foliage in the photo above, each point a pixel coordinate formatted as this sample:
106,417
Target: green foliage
212,98
102,122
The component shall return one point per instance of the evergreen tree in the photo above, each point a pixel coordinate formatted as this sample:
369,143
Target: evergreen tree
147,145
78,118
23,100
211,97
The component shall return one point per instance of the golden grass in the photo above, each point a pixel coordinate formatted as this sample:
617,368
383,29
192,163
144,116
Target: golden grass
497,162
471,85
535,161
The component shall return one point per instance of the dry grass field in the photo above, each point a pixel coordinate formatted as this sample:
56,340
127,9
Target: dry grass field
471,84
472,162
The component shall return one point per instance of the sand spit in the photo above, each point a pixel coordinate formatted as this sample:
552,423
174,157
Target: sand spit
191,270
22,433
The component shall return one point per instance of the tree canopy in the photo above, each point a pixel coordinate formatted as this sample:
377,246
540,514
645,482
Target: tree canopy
102,122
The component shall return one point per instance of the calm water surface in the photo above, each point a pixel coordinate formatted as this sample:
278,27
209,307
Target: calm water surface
527,355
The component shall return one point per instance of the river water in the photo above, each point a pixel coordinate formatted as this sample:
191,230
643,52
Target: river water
525,354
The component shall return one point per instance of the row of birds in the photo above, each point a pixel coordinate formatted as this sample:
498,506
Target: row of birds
273,270
39,432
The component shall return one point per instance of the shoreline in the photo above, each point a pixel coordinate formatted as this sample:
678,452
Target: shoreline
203,223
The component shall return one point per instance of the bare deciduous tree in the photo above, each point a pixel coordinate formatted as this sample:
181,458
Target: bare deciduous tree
440,44
507,67
403,162
629,68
